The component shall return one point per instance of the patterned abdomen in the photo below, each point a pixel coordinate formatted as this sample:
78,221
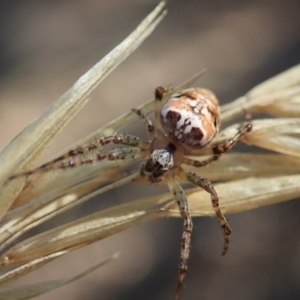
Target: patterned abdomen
191,118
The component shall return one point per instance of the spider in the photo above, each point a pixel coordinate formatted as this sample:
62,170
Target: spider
184,126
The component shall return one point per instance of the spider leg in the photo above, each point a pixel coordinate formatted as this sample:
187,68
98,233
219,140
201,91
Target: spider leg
115,154
180,198
127,140
148,123
207,186
202,163
159,95
223,147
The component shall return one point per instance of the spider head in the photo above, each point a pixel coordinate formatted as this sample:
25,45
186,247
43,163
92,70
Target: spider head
159,162
191,118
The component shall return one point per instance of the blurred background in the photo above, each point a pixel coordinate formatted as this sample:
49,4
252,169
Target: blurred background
45,46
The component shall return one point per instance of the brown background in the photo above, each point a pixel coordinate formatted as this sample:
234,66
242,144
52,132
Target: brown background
46,45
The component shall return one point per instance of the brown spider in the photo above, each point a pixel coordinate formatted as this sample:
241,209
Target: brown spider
184,125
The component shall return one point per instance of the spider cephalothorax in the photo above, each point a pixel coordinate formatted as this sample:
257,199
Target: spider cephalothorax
159,162
184,125
165,155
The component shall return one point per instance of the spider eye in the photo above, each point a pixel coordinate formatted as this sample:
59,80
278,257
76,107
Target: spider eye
192,118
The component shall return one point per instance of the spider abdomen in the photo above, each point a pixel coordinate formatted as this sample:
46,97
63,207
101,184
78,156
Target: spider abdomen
191,118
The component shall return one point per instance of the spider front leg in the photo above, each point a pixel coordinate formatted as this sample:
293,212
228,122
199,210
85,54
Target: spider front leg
207,186
57,163
180,198
115,154
147,121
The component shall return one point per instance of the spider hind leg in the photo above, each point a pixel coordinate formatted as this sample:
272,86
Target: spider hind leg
180,198
208,187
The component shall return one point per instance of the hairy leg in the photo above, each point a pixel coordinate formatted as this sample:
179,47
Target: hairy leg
223,147
159,95
182,203
147,121
207,186
72,155
202,163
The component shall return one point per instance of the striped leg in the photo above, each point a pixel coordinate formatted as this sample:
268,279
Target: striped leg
115,154
219,149
148,123
202,163
207,186
127,140
159,95
183,205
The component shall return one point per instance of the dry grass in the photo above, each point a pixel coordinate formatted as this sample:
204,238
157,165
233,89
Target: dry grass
249,181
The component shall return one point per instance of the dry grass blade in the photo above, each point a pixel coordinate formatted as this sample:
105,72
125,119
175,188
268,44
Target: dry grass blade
243,165
279,135
278,96
32,215
238,195
83,231
33,290
287,79
28,267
